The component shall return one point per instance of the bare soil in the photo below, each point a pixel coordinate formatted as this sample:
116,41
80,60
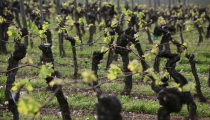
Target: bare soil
126,115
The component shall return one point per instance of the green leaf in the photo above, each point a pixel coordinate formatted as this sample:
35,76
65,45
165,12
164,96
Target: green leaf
2,19
188,87
135,66
107,39
29,87
77,40
9,33
173,85
161,21
69,22
154,50
102,24
146,78
104,49
28,106
45,71
114,22
45,26
13,32
88,76
15,87
42,73
56,82
142,23
62,30
58,18
42,34
111,76
30,61
79,9
24,83
81,21
113,71
65,4
140,15
148,57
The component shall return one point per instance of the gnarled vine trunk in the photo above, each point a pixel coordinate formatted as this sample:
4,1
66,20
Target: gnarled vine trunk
198,86
64,107
200,39
73,47
170,67
96,58
122,42
127,73
13,61
47,57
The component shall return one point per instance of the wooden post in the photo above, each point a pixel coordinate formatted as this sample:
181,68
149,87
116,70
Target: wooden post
173,2
164,2
158,3
169,4
118,6
86,2
150,3
75,15
58,7
185,2
87,8
23,20
132,6
40,7
155,4
1,28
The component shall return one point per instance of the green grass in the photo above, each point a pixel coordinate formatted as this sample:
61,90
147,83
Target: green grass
79,98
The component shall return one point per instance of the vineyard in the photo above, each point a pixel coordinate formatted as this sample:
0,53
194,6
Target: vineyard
106,60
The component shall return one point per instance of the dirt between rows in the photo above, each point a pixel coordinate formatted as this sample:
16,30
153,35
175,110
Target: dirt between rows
79,114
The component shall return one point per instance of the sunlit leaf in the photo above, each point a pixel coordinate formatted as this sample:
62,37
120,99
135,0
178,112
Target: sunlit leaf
58,18
107,39
56,82
22,83
113,71
45,71
135,66
114,22
2,19
29,87
45,26
28,106
77,40
102,24
154,50
42,34
184,44
14,32
173,85
140,15
81,21
188,87
30,61
161,20
88,76
69,22
103,49
111,76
